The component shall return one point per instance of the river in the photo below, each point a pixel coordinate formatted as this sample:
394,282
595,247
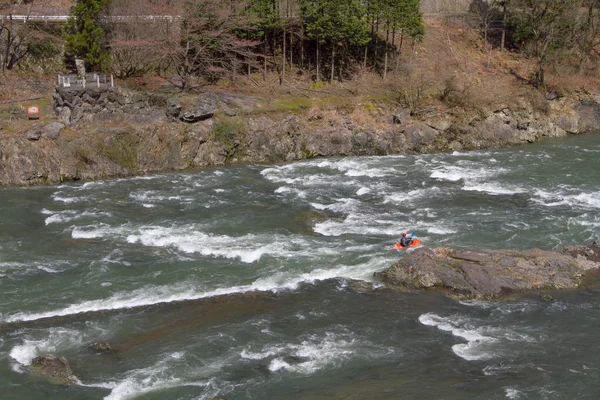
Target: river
240,282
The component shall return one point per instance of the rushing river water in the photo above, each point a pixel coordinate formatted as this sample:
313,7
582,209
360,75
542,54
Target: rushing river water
239,282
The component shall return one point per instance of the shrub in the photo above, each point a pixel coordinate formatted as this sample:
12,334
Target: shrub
122,149
226,131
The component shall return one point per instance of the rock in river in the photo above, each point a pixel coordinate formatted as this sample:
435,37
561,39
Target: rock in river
55,370
490,273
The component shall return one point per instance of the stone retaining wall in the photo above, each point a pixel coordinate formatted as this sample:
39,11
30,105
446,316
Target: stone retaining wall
72,105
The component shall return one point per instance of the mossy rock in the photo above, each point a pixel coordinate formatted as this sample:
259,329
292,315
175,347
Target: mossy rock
55,370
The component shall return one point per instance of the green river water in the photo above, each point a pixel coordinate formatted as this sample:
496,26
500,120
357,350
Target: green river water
239,282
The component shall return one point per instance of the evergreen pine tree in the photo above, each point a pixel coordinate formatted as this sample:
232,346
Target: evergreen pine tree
84,35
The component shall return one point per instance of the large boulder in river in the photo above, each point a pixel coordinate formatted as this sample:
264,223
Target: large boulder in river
490,273
56,370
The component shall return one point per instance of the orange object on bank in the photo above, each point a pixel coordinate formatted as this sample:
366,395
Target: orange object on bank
33,112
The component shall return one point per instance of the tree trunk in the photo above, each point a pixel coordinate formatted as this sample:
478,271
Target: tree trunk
387,40
302,50
375,43
365,58
503,37
265,61
283,59
318,58
332,65
234,67
291,50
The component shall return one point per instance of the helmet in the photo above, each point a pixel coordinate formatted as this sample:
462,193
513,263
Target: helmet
404,234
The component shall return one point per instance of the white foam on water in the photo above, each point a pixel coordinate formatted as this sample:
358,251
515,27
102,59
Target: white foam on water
362,191
454,173
357,225
88,185
25,268
153,196
439,230
57,217
278,364
62,198
151,295
366,224
148,380
437,227
291,281
58,339
493,188
97,231
248,249
411,196
249,355
355,168
343,205
116,257
476,347
136,387
566,197
191,239
587,220
417,194
288,190
512,393
315,353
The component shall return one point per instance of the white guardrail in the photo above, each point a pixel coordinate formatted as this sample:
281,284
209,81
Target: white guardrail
63,18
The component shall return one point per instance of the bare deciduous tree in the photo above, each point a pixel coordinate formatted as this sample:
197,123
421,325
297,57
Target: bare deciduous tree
209,45
139,37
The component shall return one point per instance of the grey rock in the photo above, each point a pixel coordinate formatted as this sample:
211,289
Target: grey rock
64,115
34,133
52,130
589,116
489,273
173,107
400,117
89,99
56,370
227,110
204,108
76,101
553,95
102,347
568,123
76,114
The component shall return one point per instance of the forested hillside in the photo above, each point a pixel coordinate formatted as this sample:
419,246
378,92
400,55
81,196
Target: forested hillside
200,42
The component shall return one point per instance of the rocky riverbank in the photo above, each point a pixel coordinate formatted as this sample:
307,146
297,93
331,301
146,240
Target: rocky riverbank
99,135
491,273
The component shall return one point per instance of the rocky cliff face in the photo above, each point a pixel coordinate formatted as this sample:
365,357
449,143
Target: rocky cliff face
127,134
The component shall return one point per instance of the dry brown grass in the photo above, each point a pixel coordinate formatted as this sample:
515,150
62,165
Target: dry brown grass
453,68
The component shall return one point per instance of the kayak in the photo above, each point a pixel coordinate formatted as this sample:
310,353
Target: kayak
415,242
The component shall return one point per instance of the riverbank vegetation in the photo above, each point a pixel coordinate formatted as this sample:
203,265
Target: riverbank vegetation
383,49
